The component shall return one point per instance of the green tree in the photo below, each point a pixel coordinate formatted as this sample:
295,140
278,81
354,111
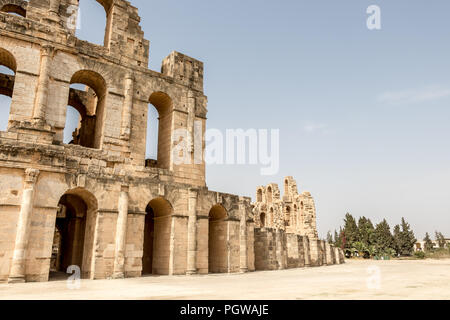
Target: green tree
429,245
441,240
360,248
407,239
365,231
336,239
397,239
339,238
350,232
384,243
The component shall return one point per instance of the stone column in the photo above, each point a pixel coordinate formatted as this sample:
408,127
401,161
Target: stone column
192,234
243,237
127,107
17,271
279,248
42,90
121,234
228,245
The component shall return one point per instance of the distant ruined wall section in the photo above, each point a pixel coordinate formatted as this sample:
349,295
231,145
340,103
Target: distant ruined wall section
286,230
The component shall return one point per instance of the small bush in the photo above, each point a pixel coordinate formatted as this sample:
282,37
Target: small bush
419,255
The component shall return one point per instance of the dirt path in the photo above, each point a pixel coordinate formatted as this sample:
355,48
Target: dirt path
428,279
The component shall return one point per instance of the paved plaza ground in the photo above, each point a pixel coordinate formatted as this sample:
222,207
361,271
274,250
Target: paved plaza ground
428,279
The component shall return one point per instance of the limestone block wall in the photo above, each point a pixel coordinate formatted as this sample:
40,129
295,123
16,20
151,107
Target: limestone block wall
295,251
306,251
315,252
251,256
203,246
281,252
291,221
276,250
329,254
265,250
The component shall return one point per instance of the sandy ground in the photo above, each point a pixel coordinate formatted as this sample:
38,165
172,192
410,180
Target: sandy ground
428,279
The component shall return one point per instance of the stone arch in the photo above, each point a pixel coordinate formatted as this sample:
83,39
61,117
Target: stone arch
157,234
7,80
217,240
8,60
107,6
74,232
163,104
18,7
271,218
288,216
269,194
262,220
91,106
259,195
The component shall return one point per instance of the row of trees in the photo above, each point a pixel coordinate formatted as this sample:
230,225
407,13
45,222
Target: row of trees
440,239
362,238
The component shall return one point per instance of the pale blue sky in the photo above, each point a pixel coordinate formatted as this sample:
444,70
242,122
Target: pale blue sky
363,115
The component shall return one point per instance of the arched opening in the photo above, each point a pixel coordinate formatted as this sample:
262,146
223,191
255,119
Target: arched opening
217,240
159,132
300,215
8,68
73,239
73,126
157,230
94,21
14,9
288,216
259,195
286,187
269,195
151,148
262,220
87,96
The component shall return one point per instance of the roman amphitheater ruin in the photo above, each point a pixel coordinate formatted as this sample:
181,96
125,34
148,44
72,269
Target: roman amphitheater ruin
97,202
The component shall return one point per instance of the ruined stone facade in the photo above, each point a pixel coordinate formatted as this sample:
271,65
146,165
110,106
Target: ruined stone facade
97,202
286,230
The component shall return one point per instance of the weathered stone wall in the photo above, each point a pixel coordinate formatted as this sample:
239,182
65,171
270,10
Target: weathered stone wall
106,169
293,215
140,216
265,249
295,251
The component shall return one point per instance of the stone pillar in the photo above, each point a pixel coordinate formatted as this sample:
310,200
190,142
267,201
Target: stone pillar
42,90
243,236
280,249
306,250
17,271
127,107
192,234
121,234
